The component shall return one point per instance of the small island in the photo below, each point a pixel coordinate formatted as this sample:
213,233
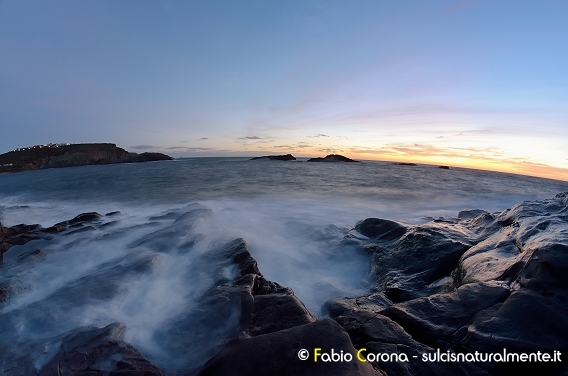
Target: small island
332,158
40,157
286,157
406,164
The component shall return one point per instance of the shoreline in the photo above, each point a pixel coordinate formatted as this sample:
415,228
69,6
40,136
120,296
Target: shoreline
428,289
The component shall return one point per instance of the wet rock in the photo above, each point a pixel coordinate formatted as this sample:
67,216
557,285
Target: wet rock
85,217
17,235
275,312
411,263
180,235
98,352
99,286
372,304
58,227
508,289
380,229
427,323
525,322
277,353
240,306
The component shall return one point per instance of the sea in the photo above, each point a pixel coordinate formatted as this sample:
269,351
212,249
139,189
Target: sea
292,215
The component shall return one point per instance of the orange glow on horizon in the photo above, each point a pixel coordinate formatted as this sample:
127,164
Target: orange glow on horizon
512,166
506,166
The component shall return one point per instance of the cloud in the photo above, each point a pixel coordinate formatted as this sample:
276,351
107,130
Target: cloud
177,147
199,149
142,147
329,150
246,141
204,138
319,135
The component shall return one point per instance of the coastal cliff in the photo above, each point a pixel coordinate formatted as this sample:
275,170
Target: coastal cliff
42,157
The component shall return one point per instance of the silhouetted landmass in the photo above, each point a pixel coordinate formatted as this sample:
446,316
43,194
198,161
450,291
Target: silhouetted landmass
287,157
42,157
406,164
332,158
444,167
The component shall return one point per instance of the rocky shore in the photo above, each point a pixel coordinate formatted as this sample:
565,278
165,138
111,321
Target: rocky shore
479,283
38,158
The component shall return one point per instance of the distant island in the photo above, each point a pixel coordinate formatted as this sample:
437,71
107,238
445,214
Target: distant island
287,157
40,157
332,158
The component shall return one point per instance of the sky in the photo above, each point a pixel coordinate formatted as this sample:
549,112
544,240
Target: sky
479,84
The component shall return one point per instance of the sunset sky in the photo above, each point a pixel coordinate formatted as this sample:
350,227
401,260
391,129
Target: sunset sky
481,84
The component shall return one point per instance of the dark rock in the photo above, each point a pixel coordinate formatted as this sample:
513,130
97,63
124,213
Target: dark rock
444,167
149,157
276,312
380,229
262,286
21,229
17,235
372,304
239,307
508,289
113,214
277,353
98,352
239,255
526,322
332,158
411,265
427,323
85,217
287,157
59,227
406,164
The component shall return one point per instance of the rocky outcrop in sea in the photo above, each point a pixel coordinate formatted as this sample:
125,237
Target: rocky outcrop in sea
285,157
482,283
39,157
332,158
